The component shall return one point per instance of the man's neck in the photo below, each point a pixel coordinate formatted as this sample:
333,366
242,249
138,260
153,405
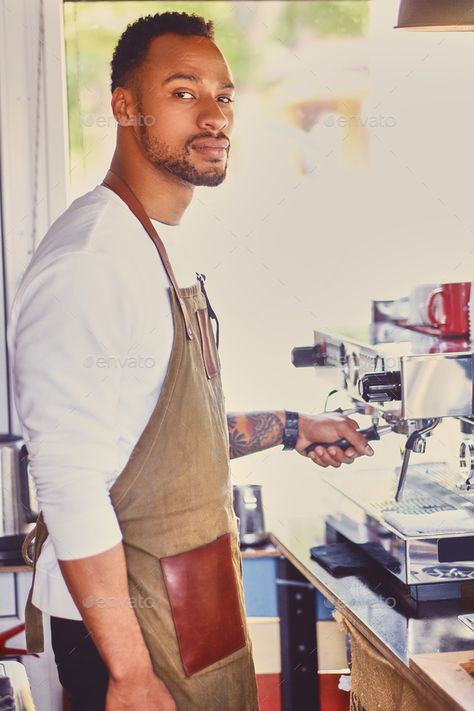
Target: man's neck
164,197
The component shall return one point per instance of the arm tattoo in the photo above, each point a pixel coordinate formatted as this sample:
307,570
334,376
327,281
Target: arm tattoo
253,431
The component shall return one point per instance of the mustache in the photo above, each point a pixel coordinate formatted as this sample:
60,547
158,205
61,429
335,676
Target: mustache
208,134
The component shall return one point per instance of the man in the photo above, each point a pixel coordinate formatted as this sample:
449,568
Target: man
140,572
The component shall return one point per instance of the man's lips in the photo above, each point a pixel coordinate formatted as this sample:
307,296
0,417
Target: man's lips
212,147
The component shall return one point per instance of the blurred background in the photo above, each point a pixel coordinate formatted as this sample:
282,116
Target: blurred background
349,178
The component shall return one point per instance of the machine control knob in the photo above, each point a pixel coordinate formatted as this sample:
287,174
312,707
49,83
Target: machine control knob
305,356
381,387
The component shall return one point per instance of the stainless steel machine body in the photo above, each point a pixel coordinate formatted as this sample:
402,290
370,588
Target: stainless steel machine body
367,514
398,379
417,520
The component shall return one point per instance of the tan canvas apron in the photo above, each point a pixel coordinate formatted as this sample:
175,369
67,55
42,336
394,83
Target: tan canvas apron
174,504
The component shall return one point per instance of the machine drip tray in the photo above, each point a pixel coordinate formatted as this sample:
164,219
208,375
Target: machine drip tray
415,505
429,533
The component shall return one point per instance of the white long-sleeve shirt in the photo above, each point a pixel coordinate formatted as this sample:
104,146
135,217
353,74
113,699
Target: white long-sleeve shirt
90,335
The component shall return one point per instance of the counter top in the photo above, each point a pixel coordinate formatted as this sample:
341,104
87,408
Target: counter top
20,568
267,551
376,603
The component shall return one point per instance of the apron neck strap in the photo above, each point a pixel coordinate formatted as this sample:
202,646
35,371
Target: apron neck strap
122,189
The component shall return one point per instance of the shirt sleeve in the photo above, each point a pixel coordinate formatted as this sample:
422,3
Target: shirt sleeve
73,330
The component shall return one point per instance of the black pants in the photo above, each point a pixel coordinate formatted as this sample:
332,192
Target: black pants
80,667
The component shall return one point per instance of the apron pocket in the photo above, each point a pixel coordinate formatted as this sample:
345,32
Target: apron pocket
209,352
203,594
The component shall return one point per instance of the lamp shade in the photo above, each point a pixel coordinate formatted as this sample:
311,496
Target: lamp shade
437,15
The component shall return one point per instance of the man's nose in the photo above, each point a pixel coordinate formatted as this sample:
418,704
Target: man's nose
211,116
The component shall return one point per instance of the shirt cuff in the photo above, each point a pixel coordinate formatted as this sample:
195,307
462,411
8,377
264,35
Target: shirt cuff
80,534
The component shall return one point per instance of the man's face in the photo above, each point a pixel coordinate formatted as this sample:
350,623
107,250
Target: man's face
184,100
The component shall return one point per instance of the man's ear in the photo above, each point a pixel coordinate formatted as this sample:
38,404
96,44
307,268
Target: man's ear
124,107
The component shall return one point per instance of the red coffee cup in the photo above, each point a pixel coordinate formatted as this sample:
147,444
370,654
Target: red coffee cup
448,308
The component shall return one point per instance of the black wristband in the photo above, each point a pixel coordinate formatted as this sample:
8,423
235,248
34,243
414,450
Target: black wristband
290,433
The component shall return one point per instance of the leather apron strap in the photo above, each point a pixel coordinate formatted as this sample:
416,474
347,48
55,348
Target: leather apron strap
122,189
33,616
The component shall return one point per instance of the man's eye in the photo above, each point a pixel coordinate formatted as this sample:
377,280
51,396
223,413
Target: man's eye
227,99
182,93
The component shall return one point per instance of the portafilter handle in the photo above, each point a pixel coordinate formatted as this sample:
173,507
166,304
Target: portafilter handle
370,433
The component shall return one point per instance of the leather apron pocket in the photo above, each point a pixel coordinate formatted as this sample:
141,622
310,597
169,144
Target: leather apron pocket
209,351
203,594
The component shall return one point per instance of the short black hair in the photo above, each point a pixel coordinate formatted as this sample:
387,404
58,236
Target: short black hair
132,46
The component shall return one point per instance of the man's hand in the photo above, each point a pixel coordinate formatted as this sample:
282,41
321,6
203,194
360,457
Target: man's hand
329,427
139,692
100,590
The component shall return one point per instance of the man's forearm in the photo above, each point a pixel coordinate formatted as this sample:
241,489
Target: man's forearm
99,587
253,431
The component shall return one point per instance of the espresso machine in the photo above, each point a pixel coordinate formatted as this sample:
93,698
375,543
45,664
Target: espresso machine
416,519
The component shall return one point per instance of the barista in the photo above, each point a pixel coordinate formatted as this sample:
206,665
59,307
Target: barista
132,468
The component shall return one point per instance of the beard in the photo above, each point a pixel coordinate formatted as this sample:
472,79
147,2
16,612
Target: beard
178,163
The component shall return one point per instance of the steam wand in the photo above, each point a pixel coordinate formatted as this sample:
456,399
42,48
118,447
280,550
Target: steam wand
416,442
